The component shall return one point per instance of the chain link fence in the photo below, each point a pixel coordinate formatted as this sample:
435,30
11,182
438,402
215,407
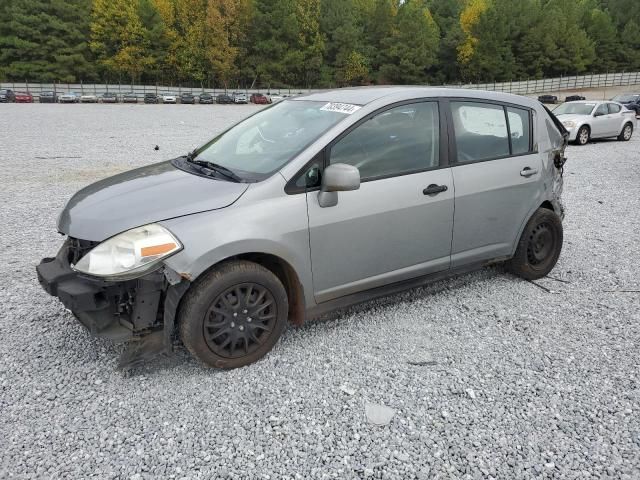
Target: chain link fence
523,87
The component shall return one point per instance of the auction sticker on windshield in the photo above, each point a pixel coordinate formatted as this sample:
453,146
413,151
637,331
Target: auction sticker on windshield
340,108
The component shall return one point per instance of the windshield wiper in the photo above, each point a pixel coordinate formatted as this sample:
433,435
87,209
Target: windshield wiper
219,169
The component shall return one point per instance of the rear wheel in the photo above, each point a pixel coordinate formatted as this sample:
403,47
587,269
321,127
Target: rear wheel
233,315
625,134
539,246
582,138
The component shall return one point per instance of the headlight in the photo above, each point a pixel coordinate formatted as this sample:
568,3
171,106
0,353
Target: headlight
569,124
131,253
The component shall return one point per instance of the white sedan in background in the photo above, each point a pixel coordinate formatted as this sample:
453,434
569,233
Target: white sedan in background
169,98
88,98
588,119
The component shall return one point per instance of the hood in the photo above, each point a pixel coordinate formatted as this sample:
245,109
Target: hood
141,196
565,117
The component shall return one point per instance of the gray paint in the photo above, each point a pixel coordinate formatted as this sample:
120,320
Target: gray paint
385,231
141,196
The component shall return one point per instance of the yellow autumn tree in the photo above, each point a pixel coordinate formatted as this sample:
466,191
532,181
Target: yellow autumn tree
225,20
469,18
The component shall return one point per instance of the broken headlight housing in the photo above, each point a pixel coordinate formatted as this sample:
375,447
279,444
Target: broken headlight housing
129,254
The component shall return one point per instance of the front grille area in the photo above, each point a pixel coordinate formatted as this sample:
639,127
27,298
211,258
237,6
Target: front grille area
76,249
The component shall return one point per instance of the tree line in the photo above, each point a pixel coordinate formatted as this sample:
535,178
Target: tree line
314,43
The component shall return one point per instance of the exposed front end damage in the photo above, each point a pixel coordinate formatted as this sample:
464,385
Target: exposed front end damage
140,312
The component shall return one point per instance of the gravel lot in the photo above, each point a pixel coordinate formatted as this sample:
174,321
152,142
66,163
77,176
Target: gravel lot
488,376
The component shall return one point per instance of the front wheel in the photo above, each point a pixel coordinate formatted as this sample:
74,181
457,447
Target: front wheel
539,246
233,315
625,134
582,138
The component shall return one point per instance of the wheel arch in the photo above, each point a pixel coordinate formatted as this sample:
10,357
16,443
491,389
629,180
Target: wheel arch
281,268
546,204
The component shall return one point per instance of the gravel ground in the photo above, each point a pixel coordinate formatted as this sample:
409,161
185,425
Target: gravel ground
486,375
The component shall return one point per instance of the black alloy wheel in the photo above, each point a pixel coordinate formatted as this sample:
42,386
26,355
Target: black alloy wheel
240,320
233,314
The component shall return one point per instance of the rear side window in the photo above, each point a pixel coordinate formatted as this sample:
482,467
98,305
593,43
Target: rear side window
613,108
520,129
398,141
480,131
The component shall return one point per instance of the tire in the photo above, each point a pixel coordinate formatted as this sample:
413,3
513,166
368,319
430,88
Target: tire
583,136
216,327
625,134
539,246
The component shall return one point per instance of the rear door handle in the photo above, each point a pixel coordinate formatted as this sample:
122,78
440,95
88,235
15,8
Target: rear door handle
528,172
434,189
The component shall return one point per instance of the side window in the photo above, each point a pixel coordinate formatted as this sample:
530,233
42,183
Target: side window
519,126
399,140
309,177
480,131
613,108
601,110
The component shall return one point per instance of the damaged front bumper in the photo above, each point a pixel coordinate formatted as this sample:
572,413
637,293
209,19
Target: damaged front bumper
140,311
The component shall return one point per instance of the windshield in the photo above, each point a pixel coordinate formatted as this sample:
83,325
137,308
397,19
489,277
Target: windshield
625,98
267,140
571,108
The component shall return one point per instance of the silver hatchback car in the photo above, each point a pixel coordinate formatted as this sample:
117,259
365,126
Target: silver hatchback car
312,204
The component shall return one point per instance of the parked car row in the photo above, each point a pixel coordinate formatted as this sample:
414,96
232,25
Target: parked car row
7,95
552,99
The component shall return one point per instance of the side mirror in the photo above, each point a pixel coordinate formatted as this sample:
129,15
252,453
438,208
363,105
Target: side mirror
338,177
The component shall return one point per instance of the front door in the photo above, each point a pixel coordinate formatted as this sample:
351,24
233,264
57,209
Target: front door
398,225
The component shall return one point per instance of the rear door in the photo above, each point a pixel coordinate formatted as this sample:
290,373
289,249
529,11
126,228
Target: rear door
497,177
601,124
616,118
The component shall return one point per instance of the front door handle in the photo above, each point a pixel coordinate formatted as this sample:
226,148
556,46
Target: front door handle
527,172
434,189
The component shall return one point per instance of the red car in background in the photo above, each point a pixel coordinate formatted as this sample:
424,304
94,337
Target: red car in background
22,97
259,99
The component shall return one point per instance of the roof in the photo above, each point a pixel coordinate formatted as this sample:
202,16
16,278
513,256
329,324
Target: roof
365,95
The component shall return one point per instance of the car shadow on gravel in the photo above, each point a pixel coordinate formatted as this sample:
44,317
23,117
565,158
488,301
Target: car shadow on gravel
410,295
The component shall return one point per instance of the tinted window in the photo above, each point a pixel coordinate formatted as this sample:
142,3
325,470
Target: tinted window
519,126
480,131
602,109
613,108
399,140
310,176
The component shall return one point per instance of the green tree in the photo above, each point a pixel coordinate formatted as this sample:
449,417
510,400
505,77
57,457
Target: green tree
379,27
118,38
286,44
412,47
342,26
156,40
630,48
603,33
446,14
42,40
